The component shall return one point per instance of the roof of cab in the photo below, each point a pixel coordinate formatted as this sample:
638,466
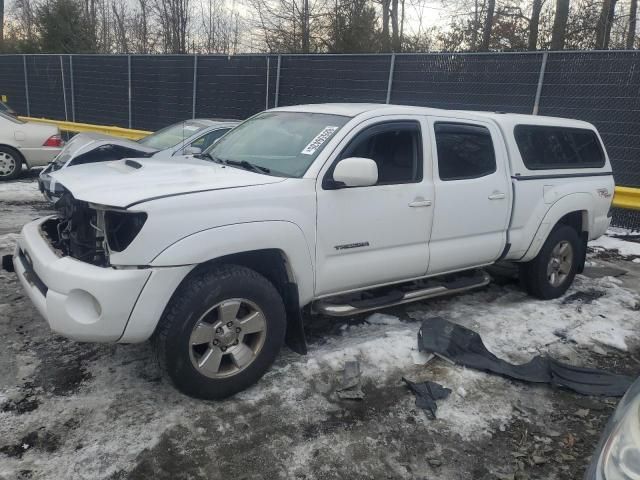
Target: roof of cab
504,119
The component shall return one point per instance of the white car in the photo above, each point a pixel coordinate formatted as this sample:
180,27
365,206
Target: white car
26,143
617,455
337,209
187,137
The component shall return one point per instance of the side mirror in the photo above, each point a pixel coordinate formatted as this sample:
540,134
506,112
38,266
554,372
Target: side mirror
356,172
192,151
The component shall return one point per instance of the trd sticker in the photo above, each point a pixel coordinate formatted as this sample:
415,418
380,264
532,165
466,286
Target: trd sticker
604,193
351,245
319,139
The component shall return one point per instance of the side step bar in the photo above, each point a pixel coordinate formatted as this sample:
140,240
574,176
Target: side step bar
326,307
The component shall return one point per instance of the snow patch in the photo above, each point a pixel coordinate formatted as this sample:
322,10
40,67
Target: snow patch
20,191
623,247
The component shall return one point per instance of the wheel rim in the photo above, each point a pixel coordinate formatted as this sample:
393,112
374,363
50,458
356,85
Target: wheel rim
560,263
7,164
227,338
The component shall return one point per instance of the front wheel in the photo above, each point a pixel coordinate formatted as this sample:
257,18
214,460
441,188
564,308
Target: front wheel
221,332
551,272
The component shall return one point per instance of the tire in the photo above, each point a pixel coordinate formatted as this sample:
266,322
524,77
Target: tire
10,163
208,340
552,271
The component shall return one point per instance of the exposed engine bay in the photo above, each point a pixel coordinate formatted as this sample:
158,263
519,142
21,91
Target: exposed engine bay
89,233
78,231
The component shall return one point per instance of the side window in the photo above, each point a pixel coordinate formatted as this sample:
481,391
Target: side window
207,140
464,151
546,147
396,147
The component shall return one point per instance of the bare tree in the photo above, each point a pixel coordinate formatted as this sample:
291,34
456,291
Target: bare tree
174,18
534,24
631,31
488,25
1,25
120,14
603,31
559,32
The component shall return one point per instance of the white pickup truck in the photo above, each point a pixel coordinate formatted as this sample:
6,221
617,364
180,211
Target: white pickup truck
334,209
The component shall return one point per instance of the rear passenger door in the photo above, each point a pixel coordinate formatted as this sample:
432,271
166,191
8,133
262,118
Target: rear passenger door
472,194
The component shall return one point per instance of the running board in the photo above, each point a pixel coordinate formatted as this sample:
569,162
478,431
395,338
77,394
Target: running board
393,298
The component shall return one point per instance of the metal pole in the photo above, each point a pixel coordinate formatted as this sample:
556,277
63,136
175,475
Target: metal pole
543,66
275,103
26,84
195,83
73,96
266,96
392,67
64,90
129,79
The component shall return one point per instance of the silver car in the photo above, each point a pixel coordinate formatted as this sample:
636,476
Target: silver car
190,137
617,456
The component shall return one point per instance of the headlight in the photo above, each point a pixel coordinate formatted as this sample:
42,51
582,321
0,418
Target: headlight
122,227
620,458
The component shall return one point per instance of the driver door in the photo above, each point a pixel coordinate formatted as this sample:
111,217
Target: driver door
377,234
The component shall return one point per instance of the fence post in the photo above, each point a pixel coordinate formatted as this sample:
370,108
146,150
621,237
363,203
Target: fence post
543,66
64,90
275,103
73,96
26,84
195,83
392,67
266,97
129,80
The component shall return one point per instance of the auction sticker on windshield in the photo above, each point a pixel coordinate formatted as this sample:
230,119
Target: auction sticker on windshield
319,139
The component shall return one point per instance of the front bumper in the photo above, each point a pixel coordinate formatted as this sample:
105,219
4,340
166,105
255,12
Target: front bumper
90,303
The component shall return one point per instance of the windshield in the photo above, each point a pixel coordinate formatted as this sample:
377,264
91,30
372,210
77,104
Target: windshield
285,143
172,135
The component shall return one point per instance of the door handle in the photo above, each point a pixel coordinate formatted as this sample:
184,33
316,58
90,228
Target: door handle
497,196
420,203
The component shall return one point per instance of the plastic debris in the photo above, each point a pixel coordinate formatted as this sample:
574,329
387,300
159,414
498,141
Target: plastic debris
351,387
427,393
465,347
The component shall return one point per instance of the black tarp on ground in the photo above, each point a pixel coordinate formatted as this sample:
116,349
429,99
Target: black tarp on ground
465,347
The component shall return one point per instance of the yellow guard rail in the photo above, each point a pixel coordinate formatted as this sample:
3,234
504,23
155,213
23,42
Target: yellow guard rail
87,127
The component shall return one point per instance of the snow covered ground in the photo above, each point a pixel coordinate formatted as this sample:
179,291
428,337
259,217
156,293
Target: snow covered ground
85,411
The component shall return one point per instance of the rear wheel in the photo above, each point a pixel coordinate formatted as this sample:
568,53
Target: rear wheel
552,271
221,332
10,163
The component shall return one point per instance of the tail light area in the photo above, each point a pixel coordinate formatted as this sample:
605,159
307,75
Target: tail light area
54,141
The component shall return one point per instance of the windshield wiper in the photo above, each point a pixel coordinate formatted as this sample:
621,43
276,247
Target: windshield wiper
208,156
247,165
235,163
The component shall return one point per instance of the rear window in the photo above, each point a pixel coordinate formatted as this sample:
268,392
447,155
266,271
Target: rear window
546,147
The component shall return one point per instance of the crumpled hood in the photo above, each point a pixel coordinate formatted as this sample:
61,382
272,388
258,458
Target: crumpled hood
85,142
122,183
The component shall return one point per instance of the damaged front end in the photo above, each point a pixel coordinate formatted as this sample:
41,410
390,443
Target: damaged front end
89,232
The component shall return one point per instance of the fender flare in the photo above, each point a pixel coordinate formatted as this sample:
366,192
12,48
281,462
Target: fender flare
221,241
581,202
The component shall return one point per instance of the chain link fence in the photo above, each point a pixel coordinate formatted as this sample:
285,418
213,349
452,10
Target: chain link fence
151,91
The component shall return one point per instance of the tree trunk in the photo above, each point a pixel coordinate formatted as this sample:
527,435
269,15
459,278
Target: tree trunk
395,34
558,34
631,33
488,25
603,31
1,25
534,24
305,26
386,45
